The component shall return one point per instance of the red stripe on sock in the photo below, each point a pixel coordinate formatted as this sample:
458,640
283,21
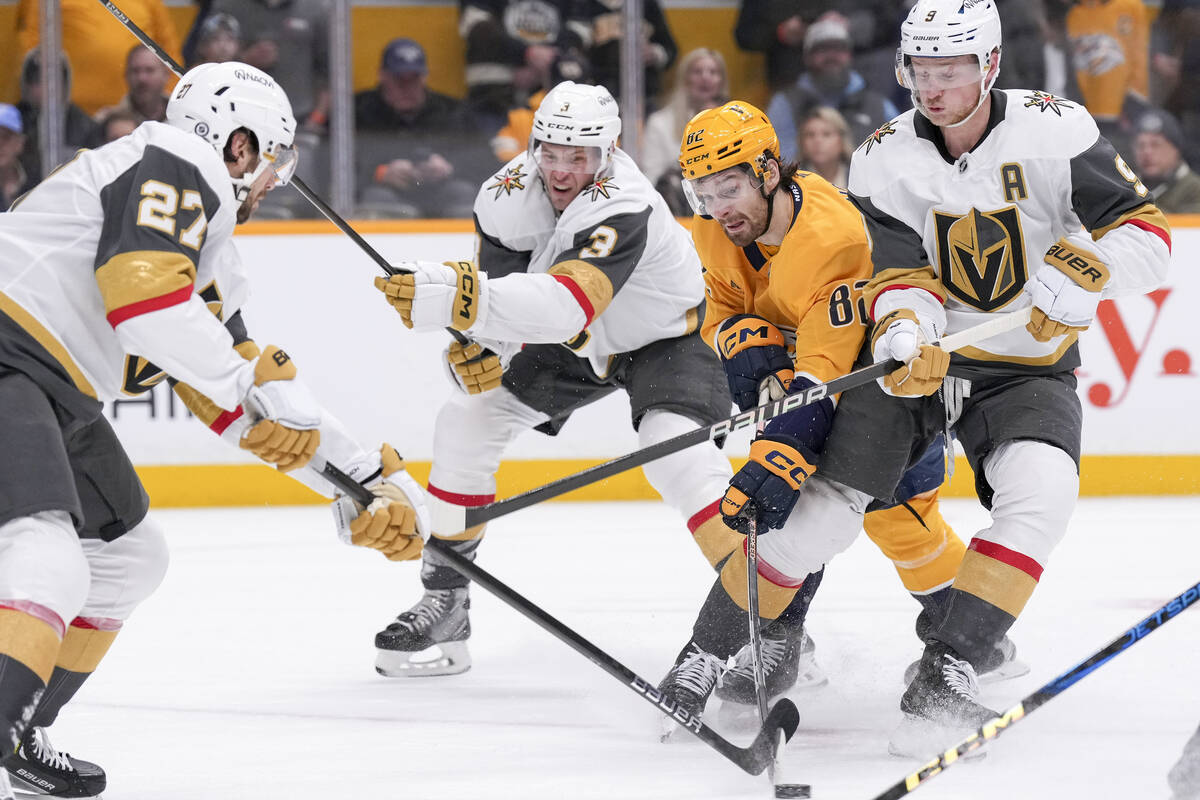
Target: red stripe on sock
773,575
703,515
97,623
37,611
1005,556
461,499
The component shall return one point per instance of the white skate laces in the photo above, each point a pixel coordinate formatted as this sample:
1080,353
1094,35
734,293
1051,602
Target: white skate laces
45,753
699,672
772,657
960,677
425,613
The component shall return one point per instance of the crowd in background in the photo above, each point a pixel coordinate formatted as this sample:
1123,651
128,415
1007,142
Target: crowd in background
829,72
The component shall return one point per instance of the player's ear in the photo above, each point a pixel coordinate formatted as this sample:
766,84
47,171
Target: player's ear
770,175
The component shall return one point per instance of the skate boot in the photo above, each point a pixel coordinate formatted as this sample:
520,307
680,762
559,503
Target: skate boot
1184,777
787,661
38,769
687,686
438,622
1003,665
939,706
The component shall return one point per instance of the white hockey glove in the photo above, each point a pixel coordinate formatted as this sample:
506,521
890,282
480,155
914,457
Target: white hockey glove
478,366
285,417
397,521
902,335
448,295
1066,289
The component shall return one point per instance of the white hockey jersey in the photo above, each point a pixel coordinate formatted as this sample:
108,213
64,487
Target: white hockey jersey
119,269
973,230
626,272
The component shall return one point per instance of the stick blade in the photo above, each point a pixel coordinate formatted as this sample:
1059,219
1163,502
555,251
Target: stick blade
784,718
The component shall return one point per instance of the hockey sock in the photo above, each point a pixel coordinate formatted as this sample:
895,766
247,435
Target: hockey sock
717,541
85,644
436,572
792,618
921,545
773,597
28,646
720,627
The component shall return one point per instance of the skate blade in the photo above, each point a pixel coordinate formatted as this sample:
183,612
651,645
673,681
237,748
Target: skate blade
920,738
24,789
447,658
1006,671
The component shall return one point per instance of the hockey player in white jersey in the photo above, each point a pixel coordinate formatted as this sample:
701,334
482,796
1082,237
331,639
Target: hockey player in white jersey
589,285
978,201
116,272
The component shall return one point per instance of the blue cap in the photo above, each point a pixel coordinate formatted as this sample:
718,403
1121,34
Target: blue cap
11,118
404,56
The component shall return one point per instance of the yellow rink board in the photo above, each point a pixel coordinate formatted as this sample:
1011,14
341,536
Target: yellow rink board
256,485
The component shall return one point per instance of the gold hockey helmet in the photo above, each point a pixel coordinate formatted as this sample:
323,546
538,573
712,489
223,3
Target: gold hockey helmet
723,137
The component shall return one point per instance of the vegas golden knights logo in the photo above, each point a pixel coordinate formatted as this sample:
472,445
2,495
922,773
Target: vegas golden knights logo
981,256
142,375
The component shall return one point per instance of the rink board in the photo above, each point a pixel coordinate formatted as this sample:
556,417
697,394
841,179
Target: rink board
312,293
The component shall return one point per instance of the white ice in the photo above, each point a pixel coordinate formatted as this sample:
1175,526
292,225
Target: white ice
249,674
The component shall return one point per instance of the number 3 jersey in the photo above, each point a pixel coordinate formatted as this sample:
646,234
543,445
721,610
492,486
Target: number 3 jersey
972,230
619,271
119,269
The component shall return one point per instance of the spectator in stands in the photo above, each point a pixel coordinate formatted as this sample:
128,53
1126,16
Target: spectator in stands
214,41
511,47
14,180
701,82
1179,68
288,40
415,146
146,79
79,130
513,138
117,124
1158,153
604,53
1109,43
778,28
96,43
825,145
829,81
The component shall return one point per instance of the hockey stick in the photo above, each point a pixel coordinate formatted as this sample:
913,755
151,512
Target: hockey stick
309,195
760,681
996,726
753,759
477,515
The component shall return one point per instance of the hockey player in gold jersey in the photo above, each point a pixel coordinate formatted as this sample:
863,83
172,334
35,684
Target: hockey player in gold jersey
785,258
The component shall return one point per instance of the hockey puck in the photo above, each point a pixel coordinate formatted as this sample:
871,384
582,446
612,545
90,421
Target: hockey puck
793,790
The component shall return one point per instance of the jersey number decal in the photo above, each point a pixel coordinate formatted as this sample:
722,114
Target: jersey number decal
1131,176
842,305
603,239
159,205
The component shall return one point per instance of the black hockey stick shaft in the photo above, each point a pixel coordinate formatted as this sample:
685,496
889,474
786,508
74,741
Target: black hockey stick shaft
1180,603
302,187
755,416
753,759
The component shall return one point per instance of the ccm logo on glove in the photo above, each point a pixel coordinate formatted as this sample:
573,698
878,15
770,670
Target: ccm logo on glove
745,333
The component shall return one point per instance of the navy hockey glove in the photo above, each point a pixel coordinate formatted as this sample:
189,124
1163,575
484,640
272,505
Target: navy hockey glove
753,350
768,485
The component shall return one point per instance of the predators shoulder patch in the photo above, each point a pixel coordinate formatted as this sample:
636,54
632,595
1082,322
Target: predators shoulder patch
509,181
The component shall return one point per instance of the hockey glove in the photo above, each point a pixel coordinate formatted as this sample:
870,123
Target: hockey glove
285,414
395,522
449,295
1065,290
754,355
902,336
473,368
768,485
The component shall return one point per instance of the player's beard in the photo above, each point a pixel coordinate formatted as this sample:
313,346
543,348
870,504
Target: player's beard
755,226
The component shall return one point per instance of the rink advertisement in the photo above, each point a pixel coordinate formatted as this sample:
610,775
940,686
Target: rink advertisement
312,294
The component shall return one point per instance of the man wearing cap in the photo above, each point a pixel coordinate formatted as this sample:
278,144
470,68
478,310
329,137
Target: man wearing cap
14,181
415,146
1158,152
828,80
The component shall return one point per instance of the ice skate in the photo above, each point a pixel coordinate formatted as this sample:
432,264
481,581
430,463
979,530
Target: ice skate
940,707
1002,666
788,663
689,683
428,639
39,770
1184,777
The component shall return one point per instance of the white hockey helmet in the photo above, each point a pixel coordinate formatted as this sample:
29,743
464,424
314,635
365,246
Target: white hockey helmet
580,115
944,29
214,100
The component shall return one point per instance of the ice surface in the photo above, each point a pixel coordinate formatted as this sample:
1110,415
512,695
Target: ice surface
249,674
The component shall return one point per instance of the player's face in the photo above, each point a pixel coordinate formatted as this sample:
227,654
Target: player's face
733,197
947,89
258,190
566,170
